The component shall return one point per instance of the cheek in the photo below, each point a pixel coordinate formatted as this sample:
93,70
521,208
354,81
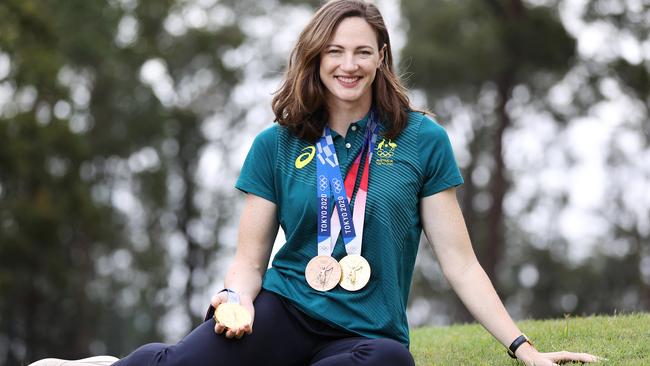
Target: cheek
326,77
322,71
372,73
325,66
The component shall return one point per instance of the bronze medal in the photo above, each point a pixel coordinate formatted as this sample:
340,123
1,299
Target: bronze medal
323,273
233,316
355,272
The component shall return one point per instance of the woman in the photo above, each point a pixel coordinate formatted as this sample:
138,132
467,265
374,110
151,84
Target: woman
348,155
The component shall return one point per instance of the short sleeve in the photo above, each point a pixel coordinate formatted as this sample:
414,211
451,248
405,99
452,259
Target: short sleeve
257,173
437,159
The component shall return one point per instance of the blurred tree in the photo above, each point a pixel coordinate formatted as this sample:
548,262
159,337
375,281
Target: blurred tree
624,77
52,226
105,227
492,66
479,51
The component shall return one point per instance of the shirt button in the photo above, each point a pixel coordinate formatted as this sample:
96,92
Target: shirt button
348,145
354,127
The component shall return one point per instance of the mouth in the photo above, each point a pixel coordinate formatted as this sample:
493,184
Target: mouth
348,81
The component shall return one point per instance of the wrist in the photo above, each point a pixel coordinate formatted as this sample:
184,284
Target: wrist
233,296
525,351
520,347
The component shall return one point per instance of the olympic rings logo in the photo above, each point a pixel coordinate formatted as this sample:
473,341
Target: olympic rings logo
384,154
322,181
337,185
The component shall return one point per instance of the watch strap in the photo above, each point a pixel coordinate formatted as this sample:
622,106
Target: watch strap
516,344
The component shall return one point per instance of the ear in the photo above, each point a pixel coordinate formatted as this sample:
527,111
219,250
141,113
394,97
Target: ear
382,53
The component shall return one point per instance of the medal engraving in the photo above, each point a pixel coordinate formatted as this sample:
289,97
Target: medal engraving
356,272
352,275
323,273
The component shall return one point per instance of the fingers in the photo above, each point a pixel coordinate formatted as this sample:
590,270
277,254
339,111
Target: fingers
237,333
233,333
219,328
573,356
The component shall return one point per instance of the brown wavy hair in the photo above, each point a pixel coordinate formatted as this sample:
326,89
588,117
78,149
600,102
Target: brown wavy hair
300,103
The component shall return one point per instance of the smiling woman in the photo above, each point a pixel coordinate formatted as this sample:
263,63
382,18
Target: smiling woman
344,53
348,147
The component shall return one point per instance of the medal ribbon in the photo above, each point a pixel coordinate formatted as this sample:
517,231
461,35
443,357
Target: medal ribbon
359,212
325,156
329,180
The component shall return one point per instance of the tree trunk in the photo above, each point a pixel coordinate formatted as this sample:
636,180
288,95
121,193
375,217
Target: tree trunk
495,241
498,183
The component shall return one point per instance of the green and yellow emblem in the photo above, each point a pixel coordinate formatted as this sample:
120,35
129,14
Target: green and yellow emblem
385,151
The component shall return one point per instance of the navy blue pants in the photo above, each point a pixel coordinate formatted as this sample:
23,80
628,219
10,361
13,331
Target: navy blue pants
282,336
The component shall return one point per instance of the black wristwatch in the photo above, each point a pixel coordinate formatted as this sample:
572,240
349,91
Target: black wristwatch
517,343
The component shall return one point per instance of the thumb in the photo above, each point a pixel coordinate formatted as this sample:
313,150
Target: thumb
217,300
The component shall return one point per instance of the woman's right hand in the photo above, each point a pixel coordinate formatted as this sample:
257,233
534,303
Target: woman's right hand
244,301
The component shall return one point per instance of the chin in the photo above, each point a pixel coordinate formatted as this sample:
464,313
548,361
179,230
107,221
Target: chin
349,97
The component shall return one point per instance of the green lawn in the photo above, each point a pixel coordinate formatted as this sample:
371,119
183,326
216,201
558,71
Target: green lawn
622,339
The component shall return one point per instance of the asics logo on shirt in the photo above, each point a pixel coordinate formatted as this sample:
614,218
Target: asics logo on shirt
303,159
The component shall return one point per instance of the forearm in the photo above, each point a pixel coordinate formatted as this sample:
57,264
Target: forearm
244,277
258,227
475,290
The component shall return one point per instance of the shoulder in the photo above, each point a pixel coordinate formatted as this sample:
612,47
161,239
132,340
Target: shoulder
424,128
430,130
268,134
267,139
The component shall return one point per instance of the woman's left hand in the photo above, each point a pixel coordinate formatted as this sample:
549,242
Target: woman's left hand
531,357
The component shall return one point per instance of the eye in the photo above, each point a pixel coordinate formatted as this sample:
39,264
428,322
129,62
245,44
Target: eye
333,51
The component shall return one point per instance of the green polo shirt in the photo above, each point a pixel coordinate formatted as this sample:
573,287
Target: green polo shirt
282,169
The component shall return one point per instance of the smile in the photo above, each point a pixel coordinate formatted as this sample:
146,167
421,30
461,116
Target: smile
348,80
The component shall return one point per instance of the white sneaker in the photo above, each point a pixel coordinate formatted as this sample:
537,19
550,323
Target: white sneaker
91,361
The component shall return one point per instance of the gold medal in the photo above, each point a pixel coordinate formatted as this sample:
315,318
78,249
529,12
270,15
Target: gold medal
323,273
232,315
355,272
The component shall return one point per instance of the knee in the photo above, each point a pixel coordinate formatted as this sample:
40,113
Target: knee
386,352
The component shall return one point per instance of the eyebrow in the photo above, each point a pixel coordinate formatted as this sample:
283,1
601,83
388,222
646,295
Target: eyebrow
339,46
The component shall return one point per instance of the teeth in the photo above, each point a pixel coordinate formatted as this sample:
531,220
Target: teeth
348,79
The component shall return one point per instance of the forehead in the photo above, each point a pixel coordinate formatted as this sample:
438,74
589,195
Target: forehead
354,32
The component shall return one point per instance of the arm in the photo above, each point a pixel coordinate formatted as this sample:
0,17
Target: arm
258,227
445,229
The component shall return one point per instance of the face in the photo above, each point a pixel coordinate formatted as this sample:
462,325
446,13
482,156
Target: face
349,62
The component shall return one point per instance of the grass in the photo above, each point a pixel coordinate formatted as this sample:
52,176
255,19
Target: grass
621,339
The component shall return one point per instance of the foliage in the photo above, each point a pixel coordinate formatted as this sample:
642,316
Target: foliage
490,70
98,172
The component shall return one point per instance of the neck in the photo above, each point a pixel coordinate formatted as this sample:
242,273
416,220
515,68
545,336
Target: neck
342,115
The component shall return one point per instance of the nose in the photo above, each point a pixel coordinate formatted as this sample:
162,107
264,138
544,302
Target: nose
349,63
